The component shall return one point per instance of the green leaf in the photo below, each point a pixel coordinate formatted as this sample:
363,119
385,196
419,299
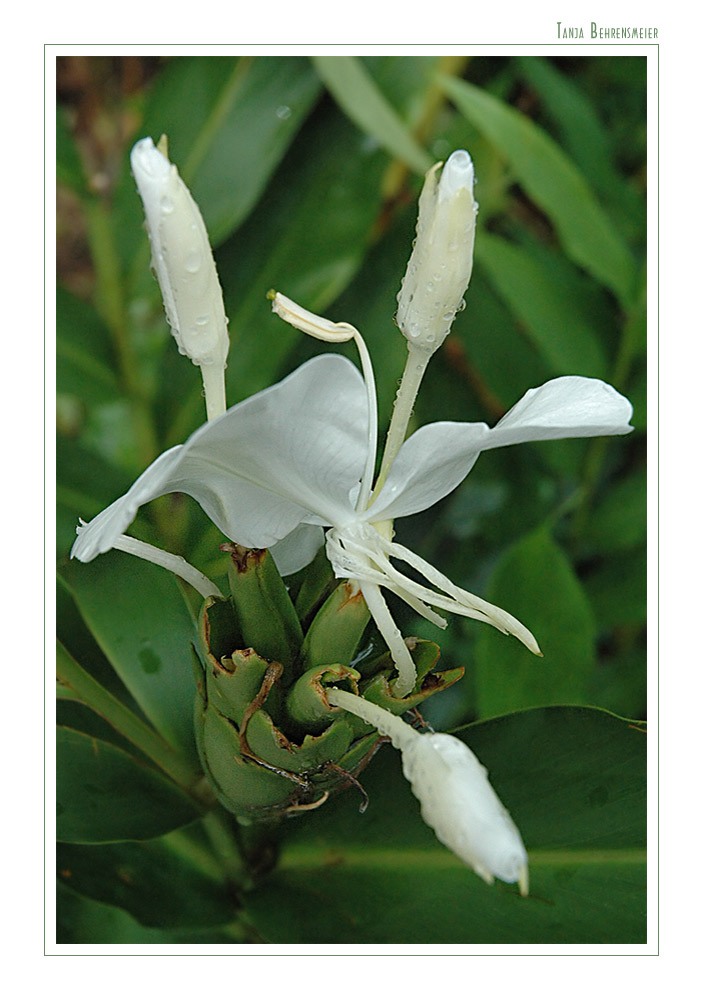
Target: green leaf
307,238
249,111
586,139
546,310
139,616
103,794
82,921
573,780
555,185
356,92
535,582
159,882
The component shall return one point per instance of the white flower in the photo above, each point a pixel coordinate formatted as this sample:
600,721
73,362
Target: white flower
183,263
455,795
440,265
299,456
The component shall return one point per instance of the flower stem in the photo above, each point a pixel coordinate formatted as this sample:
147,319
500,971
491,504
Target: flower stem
415,368
400,732
214,385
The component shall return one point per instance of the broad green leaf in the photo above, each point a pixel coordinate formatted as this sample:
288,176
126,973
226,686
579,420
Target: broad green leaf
161,883
535,582
556,186
82,921
103,794
573,780
84,364
356,92
249,110
139,617
560,332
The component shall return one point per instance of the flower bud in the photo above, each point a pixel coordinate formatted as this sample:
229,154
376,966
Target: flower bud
456,798
181,258
440,265
458,802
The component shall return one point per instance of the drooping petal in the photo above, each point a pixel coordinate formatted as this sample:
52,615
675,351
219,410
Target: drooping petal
436,458
291,451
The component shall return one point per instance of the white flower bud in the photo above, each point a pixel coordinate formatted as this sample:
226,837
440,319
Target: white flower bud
458,802
455,795
181,258
440,265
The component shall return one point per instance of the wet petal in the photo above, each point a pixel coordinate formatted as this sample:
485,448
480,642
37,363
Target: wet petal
294,450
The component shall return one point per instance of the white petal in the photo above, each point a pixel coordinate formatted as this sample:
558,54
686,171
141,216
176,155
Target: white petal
430,464
297,549
435,459
295,449
571,406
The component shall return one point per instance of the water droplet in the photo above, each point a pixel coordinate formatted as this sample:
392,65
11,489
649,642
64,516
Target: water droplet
461,306
430,286
202,320
166,205
192,262
283,112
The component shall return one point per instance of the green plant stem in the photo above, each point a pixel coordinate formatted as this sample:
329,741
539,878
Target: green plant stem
124,721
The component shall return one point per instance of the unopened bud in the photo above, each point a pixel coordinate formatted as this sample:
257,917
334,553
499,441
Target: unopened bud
455,795
181,258
440,265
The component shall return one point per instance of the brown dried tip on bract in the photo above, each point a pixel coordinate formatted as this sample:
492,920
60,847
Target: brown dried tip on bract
243,558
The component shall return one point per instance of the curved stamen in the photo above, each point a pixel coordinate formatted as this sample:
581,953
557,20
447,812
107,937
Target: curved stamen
168,560
366,559
502,620
338,333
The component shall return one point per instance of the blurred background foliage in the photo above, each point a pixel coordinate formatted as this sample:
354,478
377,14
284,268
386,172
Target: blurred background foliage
307,172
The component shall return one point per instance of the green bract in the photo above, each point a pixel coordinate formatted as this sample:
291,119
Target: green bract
269,741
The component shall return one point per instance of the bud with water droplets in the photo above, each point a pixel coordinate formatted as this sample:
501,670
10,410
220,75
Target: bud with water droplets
455,795
182,260
440,265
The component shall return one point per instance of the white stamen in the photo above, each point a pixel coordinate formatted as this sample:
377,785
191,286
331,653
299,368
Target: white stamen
337,333
168,560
